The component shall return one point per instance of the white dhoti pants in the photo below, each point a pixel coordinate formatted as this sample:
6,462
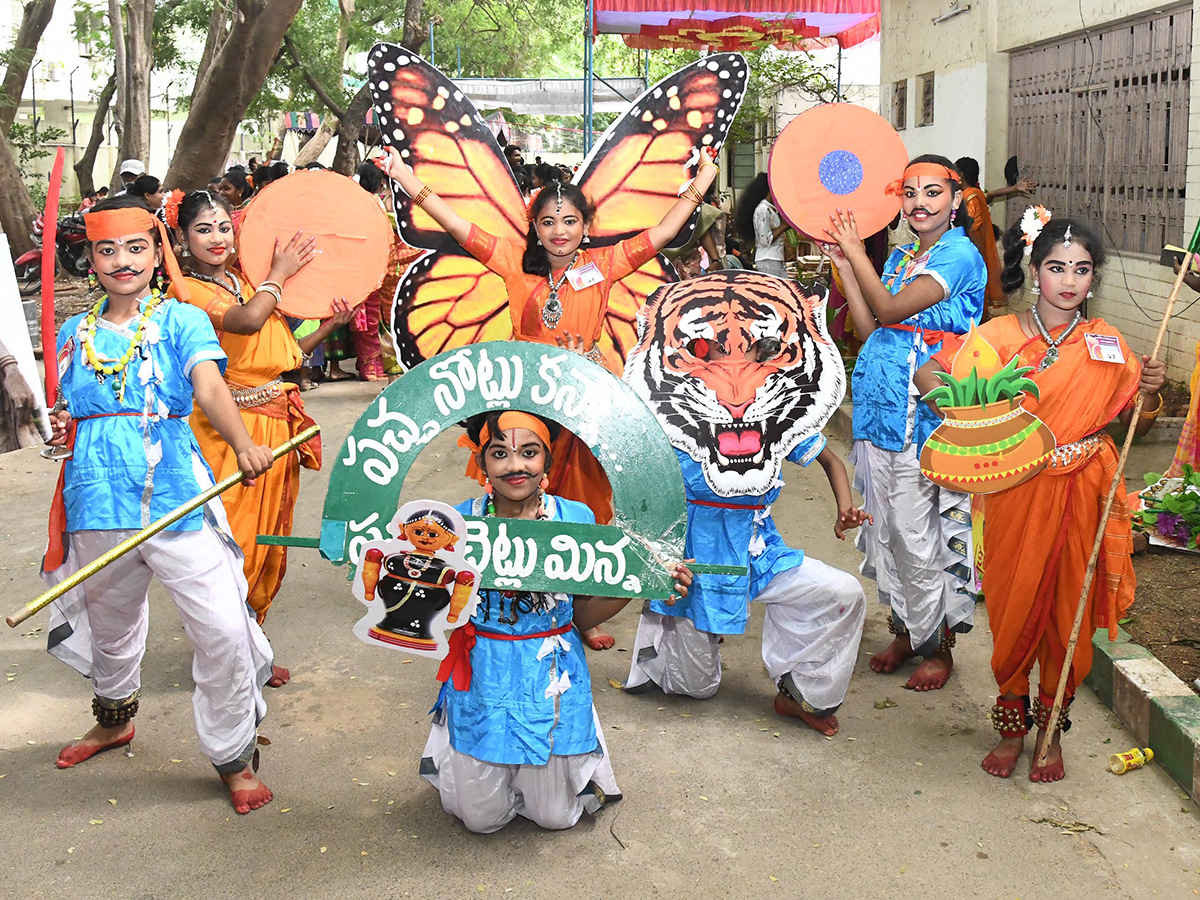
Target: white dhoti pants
812,625
100,629
487,796
918,550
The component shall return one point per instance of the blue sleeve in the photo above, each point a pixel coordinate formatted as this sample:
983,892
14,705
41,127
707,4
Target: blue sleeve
960,270
193,338
574,511
807,450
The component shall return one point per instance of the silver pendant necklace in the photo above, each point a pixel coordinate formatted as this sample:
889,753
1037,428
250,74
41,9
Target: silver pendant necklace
553,309
1052,345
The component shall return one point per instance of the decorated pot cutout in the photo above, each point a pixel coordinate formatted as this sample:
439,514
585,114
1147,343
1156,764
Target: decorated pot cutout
987,441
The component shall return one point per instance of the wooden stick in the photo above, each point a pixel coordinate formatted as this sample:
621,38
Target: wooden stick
45,599
1040,760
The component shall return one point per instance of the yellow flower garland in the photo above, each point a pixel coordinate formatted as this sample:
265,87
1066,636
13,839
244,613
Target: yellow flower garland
117,368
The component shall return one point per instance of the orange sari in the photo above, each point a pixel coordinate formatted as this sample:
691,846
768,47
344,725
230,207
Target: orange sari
1038,536
984,238
266,507
577,475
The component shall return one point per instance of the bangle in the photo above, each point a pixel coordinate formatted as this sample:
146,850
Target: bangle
1152,414
268,287
270,281
691,192
422,195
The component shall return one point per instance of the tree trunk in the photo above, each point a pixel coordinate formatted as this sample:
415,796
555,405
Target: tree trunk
139,60
33,23
315,146
330,123
236,73
17,211
217,27
87,162
116,21
350,128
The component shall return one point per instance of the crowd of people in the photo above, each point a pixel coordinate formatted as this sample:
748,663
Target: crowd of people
182,371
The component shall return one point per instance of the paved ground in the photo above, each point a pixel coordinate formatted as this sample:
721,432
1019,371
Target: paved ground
722,799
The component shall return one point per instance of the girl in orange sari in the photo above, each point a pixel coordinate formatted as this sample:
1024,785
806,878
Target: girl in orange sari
558,291
1038,536
261,348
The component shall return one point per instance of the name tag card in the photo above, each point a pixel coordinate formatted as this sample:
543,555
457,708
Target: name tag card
1104,348
585,276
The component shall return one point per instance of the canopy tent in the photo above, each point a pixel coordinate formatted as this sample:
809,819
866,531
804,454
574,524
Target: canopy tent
726,25
550,96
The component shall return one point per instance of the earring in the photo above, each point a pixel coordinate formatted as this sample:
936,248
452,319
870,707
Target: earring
953,216
1037,286
158,281
539,242
586,239
1089,295
487,486
545,483
91,280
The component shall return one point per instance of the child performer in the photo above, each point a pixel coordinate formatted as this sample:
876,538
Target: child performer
1037,536
814,612
930,288
558,293
515,731
130,369
261,348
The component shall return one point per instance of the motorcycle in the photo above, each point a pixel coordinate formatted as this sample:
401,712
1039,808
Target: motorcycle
69,257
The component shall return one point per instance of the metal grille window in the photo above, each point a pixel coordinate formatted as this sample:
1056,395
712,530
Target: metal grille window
1101,122
899,104
925,114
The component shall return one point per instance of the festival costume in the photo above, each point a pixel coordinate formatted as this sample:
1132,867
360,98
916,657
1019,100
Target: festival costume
918,549
577,475
1037,536
134,460
272,412
814,612
983,236
515,731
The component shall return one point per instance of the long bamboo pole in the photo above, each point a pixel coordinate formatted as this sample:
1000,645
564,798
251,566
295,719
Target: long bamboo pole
1040,760
45,599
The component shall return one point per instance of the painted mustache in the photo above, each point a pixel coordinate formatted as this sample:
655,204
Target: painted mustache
124,270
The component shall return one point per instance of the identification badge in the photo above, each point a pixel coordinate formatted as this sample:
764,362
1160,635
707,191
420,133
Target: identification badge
1104,348
585,276
64,357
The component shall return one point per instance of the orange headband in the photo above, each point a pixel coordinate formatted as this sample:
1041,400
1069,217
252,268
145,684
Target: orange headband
935,170
114,224
506,422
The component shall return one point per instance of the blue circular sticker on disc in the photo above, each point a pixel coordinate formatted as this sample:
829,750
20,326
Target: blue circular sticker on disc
840,171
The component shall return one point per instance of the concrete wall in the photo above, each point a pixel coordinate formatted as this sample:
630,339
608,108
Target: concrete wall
969,56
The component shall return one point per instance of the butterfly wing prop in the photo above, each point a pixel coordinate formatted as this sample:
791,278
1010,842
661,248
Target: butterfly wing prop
634,173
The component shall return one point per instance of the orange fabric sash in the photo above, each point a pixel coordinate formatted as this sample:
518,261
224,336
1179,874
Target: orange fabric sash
916,170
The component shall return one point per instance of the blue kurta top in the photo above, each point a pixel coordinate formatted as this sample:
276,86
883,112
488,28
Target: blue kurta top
717,535
887,410
128,470
528,698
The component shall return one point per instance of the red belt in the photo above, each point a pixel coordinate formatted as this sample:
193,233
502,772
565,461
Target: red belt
930,337
724,505
457,664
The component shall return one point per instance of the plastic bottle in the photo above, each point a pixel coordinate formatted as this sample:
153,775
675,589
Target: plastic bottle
1120,763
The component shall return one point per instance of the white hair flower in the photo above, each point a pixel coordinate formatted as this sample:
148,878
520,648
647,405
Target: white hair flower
1032,223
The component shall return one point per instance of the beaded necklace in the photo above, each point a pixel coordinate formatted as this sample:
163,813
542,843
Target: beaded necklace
235,288
489,508
104,368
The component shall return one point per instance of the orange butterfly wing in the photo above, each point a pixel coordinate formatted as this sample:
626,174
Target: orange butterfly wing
619,334
446,301
437,130
634,173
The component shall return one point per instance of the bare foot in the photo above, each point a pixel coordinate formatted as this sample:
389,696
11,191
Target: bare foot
246,791
1053,769
1003,758
786,706
933,672
279,676
597,638
897,653
95,741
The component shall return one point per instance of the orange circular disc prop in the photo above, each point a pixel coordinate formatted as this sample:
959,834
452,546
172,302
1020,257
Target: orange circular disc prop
353,239
836,155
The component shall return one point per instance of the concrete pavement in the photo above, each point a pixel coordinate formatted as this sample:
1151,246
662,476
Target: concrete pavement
722,798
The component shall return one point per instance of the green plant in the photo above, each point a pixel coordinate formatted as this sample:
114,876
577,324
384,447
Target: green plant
1174,514
975,391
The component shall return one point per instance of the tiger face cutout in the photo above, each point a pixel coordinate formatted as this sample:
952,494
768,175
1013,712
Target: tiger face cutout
739,368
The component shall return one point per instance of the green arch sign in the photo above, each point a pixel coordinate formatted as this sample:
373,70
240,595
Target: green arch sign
624,559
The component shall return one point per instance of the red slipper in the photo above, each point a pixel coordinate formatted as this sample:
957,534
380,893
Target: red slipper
66,759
